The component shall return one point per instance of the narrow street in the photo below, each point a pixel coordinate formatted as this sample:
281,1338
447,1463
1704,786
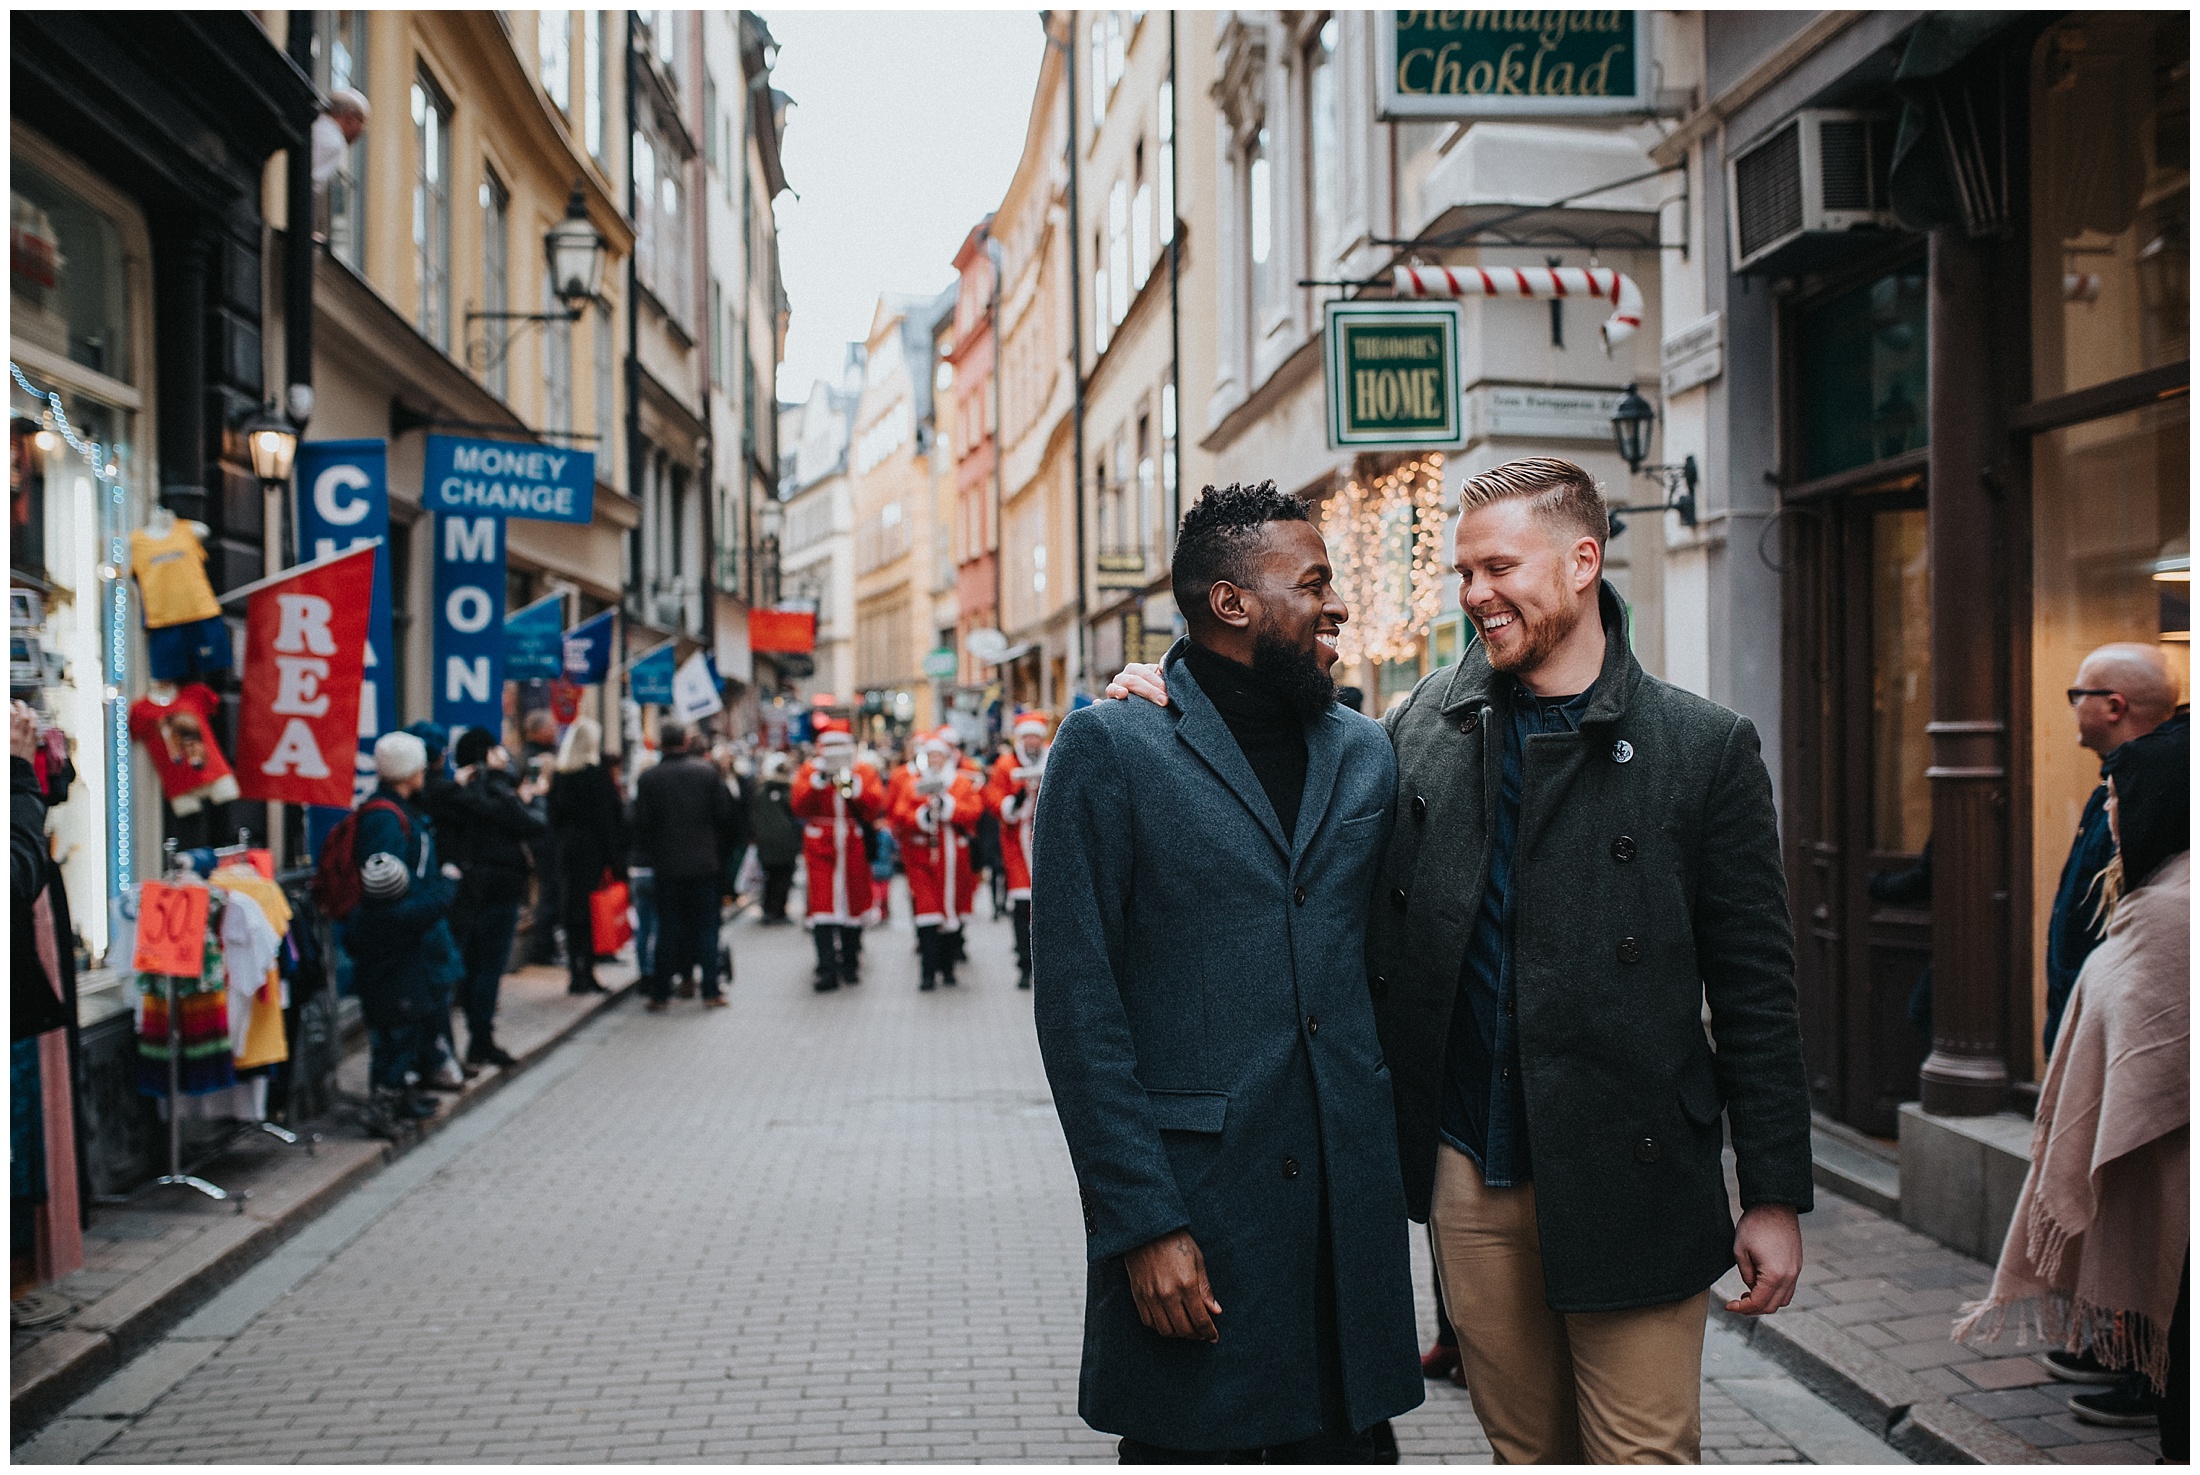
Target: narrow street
805,1228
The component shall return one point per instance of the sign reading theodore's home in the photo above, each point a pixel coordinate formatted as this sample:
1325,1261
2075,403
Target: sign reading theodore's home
1497,63
1393,371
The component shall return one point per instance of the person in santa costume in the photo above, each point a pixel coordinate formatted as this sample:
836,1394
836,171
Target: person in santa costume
1013,795
837,798
934,809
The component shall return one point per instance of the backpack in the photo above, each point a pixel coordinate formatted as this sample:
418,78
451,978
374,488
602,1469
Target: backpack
336,888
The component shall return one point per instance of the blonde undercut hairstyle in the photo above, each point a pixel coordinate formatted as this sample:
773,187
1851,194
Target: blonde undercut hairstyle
1562,493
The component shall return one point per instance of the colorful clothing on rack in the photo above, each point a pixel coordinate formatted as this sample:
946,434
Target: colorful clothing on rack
202,1005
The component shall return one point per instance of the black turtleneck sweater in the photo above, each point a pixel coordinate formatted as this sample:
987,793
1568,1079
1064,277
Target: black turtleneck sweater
1268,728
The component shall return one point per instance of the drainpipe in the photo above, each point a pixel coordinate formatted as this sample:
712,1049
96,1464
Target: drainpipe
1176,322
633,374
993,316
298,248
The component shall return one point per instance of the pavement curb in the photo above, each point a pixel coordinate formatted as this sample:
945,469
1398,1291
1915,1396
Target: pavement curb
47,1378
1878,1392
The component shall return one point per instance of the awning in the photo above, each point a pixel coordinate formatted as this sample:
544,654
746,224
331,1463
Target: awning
1951,149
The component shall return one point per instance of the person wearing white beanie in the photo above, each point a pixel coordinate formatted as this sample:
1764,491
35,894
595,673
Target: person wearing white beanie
404,961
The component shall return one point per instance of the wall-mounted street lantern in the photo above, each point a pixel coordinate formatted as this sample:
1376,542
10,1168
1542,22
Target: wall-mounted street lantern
574,251
1631,424
272,442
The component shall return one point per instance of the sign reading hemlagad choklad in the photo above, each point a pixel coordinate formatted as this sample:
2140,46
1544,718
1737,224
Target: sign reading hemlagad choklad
508,478
1393,374
1510,63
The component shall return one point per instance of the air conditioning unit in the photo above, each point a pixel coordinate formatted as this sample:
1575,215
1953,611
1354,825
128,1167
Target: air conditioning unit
1813,180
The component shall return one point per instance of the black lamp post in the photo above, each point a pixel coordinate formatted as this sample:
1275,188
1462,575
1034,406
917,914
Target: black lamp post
574,251
272,443
1631,423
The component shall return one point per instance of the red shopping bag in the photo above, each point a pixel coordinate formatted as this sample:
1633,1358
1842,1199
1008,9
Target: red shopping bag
607,915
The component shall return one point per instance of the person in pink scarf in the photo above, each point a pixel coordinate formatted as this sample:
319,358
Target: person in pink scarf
2098,1252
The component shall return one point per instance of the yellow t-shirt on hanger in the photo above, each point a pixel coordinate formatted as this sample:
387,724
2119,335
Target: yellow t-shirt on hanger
171,575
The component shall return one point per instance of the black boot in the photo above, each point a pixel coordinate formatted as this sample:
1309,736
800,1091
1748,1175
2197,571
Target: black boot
851,955
928,958
826,938
1020,918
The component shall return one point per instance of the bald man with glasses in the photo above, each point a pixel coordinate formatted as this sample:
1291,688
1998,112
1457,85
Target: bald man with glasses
2123,691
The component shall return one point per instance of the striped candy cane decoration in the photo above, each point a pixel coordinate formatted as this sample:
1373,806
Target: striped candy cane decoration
1536,283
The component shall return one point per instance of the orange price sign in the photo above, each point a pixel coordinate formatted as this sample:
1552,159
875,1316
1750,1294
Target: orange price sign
171,931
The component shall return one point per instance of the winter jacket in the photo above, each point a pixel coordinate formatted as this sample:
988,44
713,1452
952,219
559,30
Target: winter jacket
34,998
1647,883
402,953
588,822
485,831
774,830
685,820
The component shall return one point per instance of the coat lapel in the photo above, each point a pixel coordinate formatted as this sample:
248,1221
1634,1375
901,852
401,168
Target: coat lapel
1201,728
1324,751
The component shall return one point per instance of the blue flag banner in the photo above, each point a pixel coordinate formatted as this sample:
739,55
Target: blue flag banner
588,651
508,478
344,500
649,680
469,622
534,641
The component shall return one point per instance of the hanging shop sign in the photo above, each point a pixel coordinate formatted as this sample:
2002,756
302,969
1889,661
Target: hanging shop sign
171,930
783,631
1393,371
1512,63
695,688
469,622
588,651
344,502
649,680
508,478
304,656
534,641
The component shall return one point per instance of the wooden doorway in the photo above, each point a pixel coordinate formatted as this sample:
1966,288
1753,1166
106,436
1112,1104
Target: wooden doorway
1857,800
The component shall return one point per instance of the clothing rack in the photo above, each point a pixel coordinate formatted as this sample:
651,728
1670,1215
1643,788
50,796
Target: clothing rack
178,1176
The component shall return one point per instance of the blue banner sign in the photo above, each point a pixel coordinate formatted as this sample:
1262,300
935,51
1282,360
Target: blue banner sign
469,622
508,478
534,641
343,501
588,651
649,680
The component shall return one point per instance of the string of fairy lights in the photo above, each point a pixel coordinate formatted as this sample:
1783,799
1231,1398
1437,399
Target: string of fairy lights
1385,539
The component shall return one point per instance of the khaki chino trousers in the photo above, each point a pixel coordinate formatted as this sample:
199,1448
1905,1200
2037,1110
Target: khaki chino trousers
1595,1387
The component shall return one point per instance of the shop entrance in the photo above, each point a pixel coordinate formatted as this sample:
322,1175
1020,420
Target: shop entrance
1858,803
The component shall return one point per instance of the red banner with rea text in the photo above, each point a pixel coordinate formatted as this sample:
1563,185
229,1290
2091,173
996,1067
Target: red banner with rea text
305,652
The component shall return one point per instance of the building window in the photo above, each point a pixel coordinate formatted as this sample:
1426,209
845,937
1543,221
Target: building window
717,335
1260,215
602,327
1119,252
496,293
2112,198
1141,220
662,249
557,363
1324,179
710,121
431,114
1149,507
596,50
1165,121
340,60
1863,374
645,190
554,50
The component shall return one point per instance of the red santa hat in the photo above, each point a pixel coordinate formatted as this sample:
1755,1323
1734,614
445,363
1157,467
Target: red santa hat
1032,719
946,735
834,732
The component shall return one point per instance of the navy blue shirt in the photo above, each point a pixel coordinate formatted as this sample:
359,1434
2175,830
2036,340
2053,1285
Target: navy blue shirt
1485,1109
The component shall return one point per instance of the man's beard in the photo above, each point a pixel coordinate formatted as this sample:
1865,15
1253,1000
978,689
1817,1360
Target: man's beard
1296,672
1543,636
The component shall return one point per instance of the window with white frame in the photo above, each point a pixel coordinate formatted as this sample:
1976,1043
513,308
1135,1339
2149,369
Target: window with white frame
596,62
1325,179
1141,219
1119,252
557,363
496,293
1101,319
1260,221
601,330
431,114
554,53
1165,165
340,60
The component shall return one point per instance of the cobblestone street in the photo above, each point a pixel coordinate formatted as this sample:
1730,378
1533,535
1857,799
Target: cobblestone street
805,1228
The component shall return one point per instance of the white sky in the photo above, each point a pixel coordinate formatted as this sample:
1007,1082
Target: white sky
905,129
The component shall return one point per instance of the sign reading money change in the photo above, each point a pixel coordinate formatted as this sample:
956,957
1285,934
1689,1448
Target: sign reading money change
1393,374
1510,63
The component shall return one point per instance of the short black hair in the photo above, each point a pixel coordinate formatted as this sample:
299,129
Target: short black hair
672,737
1217,535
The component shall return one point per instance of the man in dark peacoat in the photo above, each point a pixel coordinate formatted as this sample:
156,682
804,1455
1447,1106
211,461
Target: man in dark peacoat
1203,1012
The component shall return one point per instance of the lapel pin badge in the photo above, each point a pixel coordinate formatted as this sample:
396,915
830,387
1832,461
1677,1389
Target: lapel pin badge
1622,751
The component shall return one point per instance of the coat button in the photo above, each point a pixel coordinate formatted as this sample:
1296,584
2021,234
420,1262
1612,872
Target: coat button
1398,897
1298,896
1505,1073
1470,722
1420,807
1646,1151
1313,1025
1623,849
1630,951
1623,751
1290,1167
1378,985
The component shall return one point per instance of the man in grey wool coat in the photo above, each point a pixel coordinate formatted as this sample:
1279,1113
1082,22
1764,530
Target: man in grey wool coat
1199,910
1585,858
